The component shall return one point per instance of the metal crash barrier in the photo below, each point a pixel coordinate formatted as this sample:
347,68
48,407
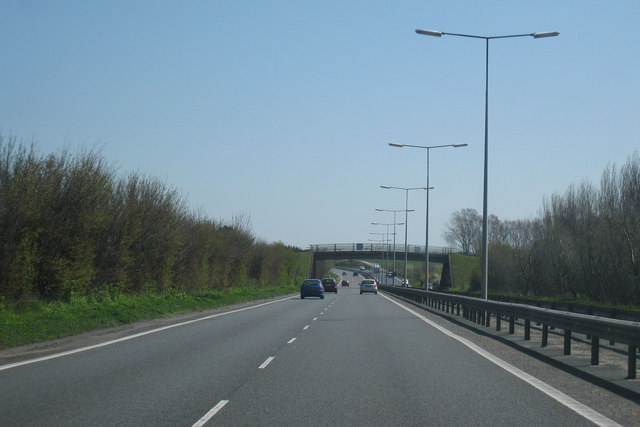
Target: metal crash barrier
480,311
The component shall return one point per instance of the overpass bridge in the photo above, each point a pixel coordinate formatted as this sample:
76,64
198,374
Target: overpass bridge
380,252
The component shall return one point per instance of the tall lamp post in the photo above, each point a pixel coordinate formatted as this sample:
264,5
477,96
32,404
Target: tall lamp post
394,230
381,240
485,232
427,148
406,217
386,265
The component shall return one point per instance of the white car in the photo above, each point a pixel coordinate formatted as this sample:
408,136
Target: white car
368,285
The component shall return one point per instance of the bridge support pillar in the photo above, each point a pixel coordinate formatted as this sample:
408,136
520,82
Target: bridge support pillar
446,280
631,370
312,265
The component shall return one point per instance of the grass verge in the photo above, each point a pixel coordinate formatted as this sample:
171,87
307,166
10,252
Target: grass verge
35,321
465,270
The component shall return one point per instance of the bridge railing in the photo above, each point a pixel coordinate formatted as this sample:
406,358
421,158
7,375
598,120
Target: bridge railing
480,311
378,247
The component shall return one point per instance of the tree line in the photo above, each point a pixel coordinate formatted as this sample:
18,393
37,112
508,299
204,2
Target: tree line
584,243
69,223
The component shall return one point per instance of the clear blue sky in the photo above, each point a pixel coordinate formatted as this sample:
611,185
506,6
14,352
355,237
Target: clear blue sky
282,110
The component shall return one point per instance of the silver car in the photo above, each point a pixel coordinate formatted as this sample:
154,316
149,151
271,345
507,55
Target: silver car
368,285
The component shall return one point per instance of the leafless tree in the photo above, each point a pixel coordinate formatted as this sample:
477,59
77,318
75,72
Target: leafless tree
464,229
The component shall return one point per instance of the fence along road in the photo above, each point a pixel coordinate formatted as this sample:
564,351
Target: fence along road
481,311
348,359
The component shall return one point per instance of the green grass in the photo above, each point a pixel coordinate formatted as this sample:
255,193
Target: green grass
569,300
464,268
36,321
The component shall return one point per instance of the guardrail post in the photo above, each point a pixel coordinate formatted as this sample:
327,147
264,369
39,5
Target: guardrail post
595,350
595,327
631,370
567,342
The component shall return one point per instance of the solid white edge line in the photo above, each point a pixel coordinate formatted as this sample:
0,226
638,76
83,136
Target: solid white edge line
266,362
581,409
130,337
202,421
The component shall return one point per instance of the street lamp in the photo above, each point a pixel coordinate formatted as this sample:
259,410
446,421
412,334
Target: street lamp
394,230
386,265
426,244
382,243
406,217
485,232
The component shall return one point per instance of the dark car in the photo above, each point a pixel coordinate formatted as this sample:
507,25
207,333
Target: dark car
312,288
330,284
345,283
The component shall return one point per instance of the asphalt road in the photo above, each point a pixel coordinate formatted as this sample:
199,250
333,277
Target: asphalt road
348,359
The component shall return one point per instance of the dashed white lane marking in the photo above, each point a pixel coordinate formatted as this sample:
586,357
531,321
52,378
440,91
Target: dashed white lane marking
583,410
291,340
202,421
305,328
130,337
266,362
315,318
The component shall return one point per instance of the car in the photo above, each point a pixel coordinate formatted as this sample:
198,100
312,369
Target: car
355,273
368,285
345,283
312,288
405,283
344,273
429,286
330,284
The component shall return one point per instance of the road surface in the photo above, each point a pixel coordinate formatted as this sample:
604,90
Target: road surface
348,359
